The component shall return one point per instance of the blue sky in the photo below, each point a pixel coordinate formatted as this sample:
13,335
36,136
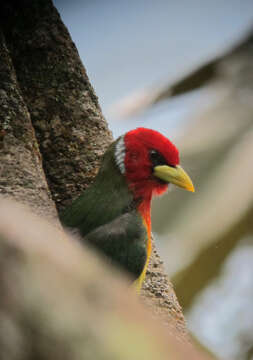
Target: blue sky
130,45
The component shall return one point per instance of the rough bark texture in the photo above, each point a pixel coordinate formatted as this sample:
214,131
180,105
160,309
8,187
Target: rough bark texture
71,131
158,293
21,174
60,119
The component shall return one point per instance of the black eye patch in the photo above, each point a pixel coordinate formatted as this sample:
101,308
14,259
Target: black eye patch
157,158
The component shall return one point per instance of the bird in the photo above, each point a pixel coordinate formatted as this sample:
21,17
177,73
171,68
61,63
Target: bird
113,215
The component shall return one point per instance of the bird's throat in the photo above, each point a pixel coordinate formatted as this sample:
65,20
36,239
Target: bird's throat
144,210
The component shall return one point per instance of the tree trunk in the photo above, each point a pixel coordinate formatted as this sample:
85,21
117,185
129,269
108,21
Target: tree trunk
50,111
68,123
21,174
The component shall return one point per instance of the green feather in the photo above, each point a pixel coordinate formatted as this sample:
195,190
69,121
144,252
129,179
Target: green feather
103,201
106,217
124,242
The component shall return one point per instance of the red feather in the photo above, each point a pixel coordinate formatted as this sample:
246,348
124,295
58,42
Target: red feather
138,166
139,143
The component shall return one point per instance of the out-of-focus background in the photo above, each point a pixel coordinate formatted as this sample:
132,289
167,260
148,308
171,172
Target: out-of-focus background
185,68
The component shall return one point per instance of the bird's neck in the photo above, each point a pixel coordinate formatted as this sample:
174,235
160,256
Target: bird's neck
144,208
143,193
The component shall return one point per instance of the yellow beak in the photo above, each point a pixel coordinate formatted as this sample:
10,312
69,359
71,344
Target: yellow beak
175,175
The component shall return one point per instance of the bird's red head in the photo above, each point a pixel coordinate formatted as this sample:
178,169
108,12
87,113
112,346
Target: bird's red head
145,149
149,161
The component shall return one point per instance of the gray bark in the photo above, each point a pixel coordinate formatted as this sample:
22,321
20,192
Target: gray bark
21,174
68,123
51,124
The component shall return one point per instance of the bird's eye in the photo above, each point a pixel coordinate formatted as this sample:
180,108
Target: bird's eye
157,158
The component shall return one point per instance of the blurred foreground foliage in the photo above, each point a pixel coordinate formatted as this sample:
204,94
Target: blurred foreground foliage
60,301
204,230
200,233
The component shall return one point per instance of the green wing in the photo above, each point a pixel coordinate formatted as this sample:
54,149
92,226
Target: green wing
123,241
105,216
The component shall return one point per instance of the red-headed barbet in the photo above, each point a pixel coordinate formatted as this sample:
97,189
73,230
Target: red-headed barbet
113,214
